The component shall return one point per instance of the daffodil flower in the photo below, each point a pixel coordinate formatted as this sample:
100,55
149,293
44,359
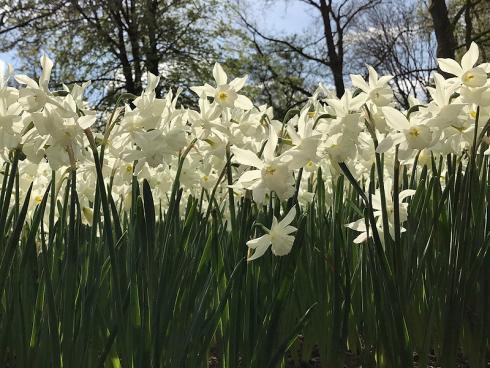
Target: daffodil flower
360,225
207,119
35,96
409,135
272,172
468,74
279,237
225,94
377,89
442,108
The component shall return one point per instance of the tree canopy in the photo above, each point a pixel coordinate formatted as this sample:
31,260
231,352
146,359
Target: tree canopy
113,43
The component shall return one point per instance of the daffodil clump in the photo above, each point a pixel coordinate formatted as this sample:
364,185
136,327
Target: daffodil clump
352,169
144,139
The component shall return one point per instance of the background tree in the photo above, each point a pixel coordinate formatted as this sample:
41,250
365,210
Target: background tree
395,39
401,38
114,42
325,47
443,29
470,23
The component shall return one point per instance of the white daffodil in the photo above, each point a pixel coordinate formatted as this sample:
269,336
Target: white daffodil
272,172
157,145
10,118
339,147
467,73
360,225
410,135
378,91
444,112
346,104
278,236
34,96
206,120
225,94
305,141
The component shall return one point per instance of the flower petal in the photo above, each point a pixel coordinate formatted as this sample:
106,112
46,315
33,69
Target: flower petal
450,66
359,225
395,119
406,193
86,121
289,229
264,240
359,82
470,57
385,144
246,157
271,144
249,176
219,75
289,217
260,245
361,238
24,79
243,102
238,83
47,65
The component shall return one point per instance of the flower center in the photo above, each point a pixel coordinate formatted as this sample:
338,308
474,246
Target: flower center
270,170
222,96
414,132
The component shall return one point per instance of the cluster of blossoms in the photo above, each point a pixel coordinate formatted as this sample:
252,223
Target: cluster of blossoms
270,158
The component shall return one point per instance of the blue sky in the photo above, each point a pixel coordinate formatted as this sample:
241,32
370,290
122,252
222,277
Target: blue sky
284,16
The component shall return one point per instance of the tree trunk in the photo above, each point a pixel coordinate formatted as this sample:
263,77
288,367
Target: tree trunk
152,57
133,35
334,59
446,44
468,35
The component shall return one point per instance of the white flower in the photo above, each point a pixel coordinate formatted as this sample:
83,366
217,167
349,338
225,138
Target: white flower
207,119
304,140
441,107
34,96
377,89
468,74
340,147
225,94
411,134
346,104
360,225
272,172
278,235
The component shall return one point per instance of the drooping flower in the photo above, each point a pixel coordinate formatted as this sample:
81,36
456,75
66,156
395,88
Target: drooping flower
279,236
360,225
